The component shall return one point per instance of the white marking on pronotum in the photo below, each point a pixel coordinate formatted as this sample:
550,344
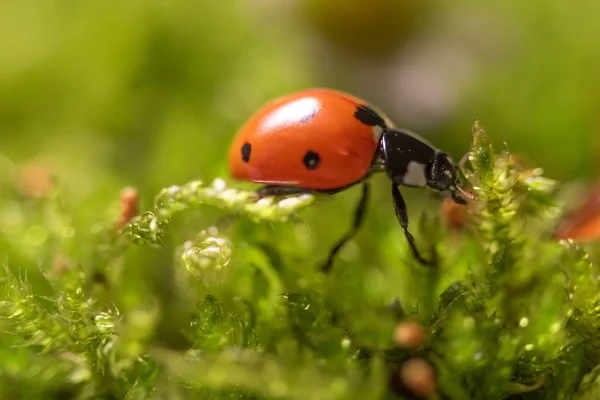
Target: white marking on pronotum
415,174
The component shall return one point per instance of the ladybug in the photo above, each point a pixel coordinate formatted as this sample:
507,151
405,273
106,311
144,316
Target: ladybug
325,141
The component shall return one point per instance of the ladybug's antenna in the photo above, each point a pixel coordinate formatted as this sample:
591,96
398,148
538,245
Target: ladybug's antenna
456,187
462,191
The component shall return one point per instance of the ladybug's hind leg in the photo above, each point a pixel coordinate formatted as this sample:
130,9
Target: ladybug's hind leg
402,215
359,214
275,190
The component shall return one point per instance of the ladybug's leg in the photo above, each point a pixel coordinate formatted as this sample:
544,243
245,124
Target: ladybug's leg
274,190
402,215
359,214
469,195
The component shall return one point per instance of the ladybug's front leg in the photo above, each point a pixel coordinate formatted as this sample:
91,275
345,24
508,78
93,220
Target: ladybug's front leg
402,215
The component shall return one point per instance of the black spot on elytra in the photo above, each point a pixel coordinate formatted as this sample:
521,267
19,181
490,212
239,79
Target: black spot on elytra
246,150
311,160
368,117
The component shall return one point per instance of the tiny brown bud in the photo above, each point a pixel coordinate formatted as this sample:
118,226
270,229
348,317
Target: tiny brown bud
60,265
35,179
419,377
129,206
409,335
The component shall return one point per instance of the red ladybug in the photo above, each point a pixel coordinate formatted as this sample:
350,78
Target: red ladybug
321,140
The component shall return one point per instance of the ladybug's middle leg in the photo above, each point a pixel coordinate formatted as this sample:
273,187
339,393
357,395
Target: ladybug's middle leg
402,215
359,214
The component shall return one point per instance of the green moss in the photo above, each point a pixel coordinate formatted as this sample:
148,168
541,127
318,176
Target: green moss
179,305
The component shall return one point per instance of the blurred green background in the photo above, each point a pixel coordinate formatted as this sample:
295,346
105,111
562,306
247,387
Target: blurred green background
107,94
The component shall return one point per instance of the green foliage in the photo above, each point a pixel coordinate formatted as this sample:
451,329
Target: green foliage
179,305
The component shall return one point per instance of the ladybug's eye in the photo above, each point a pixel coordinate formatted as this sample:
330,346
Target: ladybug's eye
311,160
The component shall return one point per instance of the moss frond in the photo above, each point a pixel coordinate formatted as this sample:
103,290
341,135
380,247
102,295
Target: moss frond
151,307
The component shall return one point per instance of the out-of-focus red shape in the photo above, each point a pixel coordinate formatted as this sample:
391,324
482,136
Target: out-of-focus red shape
35,179
583,224
453,214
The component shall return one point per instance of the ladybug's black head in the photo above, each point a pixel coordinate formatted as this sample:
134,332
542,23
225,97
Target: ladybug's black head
440,172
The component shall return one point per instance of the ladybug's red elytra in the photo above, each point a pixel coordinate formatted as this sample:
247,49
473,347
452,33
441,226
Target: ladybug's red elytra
322,140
